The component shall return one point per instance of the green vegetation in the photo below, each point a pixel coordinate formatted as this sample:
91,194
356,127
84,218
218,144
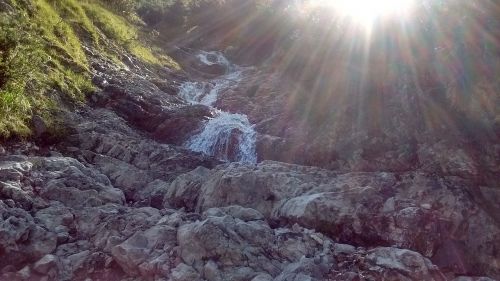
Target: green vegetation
126,34
43,65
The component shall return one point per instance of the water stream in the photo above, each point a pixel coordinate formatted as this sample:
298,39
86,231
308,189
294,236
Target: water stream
228,136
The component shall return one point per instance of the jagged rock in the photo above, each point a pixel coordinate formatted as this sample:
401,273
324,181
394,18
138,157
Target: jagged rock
263,277
46,264
144,246
152,194
184,272
129,160
114,204
244,214
400,264
225,248
184,190
305,269
413,210
21,239
179,124
238,250
405,140
465,278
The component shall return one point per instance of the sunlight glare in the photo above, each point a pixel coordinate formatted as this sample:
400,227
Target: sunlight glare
366,12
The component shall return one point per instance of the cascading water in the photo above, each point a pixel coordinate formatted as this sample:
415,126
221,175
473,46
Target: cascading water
213,58
227,136
206,93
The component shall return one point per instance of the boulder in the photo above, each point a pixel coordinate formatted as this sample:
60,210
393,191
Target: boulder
437,217
142,247
179,124
46,265
184,272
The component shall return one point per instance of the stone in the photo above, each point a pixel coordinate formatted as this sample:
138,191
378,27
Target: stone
263,277
39,125
467,278
118,198
244,214
179,124
412,210
45,264
211,271
184,272
405,262
183,192
141,247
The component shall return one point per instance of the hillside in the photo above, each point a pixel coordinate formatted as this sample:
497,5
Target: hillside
45,47
265,140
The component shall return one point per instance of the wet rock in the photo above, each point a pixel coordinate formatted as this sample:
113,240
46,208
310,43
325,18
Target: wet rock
180,123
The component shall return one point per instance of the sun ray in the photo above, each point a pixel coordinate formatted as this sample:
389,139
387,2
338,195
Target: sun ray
367,12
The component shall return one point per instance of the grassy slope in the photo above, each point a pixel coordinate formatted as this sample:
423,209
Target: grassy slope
43,64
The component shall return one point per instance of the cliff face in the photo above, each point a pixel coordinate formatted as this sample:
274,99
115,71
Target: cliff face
402,128
153,175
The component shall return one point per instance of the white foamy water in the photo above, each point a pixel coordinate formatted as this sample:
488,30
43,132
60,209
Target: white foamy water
212,58
227,136
206,93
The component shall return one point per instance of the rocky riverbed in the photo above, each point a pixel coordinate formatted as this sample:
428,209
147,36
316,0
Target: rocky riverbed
121,198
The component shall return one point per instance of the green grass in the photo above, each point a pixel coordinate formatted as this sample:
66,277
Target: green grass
43,66
59,33
126,34
74,14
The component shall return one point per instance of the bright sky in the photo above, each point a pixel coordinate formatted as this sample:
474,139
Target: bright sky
366,12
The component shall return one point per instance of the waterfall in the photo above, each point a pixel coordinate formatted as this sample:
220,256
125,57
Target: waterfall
227,136
206,93
213,58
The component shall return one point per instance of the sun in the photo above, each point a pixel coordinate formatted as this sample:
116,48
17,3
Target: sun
367,12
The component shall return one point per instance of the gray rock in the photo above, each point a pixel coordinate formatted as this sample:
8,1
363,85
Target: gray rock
185,189
184,272
263,277
404,262
143,246
413,210
465,278
46,264
211,271
39,125
244,214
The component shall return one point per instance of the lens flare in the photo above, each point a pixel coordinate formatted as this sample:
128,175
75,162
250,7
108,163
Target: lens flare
367,12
